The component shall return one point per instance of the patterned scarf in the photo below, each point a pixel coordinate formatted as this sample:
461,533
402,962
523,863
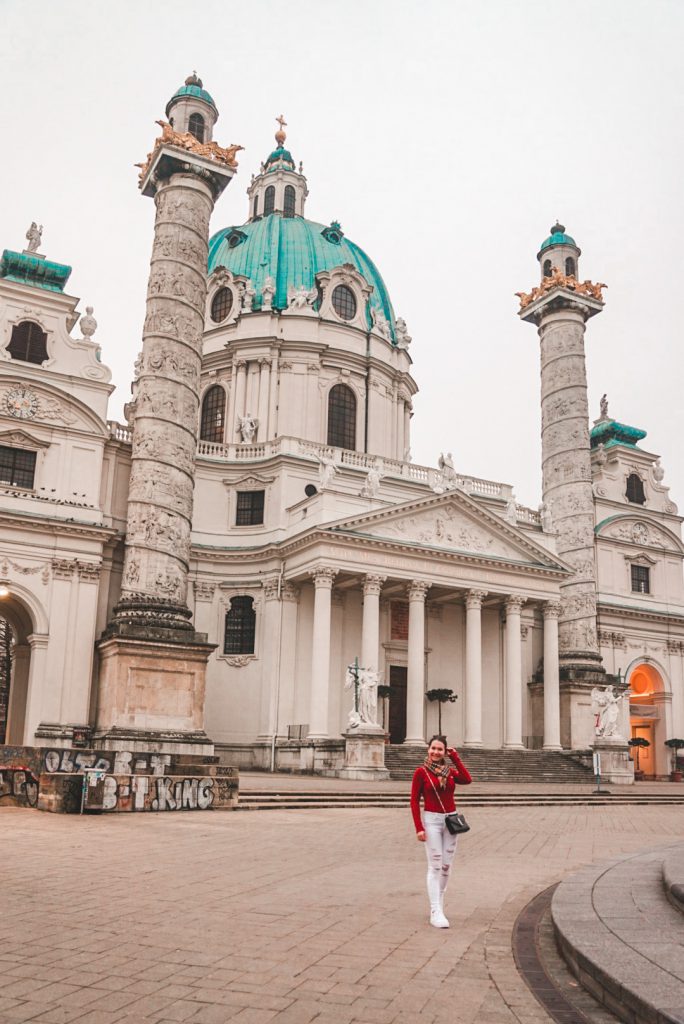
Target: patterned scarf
440,770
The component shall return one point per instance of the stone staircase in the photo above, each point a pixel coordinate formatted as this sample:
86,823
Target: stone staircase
497,765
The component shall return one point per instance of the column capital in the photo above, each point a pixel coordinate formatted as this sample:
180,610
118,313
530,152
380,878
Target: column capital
323,577
474,598
514,603
240,364
372,584
417,589
264,362
551,609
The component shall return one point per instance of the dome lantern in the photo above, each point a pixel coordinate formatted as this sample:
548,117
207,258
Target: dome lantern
192,109
559,251
279,187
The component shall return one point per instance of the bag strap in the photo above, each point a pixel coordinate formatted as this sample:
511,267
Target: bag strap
435,789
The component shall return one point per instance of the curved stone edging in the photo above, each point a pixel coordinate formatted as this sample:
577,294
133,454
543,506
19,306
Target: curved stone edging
622,939
673,877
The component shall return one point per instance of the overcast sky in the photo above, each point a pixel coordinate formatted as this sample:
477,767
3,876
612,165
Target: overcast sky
446,136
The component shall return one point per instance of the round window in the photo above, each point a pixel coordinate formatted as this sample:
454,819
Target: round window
344,302
221,305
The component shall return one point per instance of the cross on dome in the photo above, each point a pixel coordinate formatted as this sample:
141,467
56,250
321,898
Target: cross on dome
280,135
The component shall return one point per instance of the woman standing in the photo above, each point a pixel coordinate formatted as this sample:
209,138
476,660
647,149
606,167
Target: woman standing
435,781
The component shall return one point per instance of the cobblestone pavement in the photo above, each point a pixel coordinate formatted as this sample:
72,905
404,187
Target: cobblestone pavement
283,916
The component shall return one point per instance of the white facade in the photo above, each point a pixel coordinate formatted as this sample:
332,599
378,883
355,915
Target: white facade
429,577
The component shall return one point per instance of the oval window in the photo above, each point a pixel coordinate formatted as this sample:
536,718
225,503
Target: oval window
344,302
221,305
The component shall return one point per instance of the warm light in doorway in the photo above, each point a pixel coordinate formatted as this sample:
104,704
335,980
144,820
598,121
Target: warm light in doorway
4,590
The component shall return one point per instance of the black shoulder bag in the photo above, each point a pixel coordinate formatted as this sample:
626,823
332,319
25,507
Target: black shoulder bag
455,822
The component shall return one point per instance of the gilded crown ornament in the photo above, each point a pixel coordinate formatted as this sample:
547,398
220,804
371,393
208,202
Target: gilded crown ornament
557,279
187,141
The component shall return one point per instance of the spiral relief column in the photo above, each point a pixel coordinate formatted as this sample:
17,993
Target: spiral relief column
560,307
152,662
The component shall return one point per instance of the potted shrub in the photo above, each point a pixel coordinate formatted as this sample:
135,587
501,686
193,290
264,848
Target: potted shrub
637,743
675,745
442,696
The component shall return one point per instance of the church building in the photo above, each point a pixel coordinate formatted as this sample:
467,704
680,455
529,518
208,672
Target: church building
204,573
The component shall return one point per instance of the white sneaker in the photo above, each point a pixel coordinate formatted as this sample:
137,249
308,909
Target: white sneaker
438,920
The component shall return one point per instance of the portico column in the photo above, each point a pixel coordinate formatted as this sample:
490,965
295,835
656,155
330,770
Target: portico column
551,677
513,727
473,686
320,652
415,681
370,629
264,387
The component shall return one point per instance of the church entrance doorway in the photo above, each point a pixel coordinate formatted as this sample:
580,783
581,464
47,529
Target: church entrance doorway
397,703
16,629
647,719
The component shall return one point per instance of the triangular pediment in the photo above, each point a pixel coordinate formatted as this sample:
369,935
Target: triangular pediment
21,439
451,522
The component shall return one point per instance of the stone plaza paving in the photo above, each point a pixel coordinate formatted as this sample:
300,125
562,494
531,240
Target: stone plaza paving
284,916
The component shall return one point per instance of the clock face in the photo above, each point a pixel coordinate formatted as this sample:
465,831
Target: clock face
22,403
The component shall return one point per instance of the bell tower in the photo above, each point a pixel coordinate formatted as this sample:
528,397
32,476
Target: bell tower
560,307
191,109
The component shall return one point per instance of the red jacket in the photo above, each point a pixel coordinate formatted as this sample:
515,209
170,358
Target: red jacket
422,787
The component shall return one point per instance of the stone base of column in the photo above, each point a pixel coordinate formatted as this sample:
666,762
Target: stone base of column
151,689
616,766
364,754
577,719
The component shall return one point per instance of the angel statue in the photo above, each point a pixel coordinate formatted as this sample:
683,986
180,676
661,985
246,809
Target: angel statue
267,294
248,427
607,715
445,464
301,297
364,682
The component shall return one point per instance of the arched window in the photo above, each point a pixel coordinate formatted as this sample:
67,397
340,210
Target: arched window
547,268
635,489
342,417
289,202
196,126
213,409
255,210
570,267
240,626
344,302
221,305
28,343
269,200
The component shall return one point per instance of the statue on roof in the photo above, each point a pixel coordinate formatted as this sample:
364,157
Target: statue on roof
34,236
301,297
401,334
381,324
268,294
604,407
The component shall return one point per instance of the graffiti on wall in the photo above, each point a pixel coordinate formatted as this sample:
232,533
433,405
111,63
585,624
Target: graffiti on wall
20,784
122,762
147,793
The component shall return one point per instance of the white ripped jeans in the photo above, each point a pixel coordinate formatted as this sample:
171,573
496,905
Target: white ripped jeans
440,847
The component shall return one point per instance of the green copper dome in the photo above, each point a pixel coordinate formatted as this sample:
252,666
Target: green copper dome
192,87
557,237
279,156
292,251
